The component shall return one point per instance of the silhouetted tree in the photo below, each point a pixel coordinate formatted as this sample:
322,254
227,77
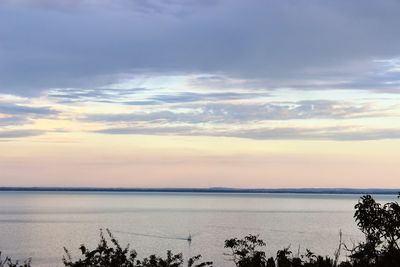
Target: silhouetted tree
381,226
271,262
8,262
380,223
282,258
246,252
113,255
192,262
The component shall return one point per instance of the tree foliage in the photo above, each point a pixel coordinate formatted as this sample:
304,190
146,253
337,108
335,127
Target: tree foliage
8,262
108,254
380,223
247,252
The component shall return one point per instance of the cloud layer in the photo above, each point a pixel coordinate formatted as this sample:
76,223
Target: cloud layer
56,44
245,113
264,133
16,114
285,69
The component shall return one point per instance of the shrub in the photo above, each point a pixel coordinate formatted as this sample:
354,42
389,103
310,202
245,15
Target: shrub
7,262
246,252
113,255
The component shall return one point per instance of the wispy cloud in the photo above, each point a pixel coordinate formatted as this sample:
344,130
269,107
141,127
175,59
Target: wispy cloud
17,109
248,112
105,95
145,96
17,114
263,133
11,134
186,97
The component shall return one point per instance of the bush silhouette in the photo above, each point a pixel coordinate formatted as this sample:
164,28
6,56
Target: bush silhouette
379,223
246,252
8,262
113,255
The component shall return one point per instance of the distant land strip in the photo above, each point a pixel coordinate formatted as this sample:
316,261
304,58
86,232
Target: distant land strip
210,190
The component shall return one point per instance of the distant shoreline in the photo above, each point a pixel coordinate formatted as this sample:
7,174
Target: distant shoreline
209,190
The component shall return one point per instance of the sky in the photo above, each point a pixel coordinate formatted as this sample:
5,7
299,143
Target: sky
200,93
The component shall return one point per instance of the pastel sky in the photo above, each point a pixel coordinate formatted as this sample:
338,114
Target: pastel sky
200,93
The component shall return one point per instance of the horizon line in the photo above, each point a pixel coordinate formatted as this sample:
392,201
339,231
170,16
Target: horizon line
297,190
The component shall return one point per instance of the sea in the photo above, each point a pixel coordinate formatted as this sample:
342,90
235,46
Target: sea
39,225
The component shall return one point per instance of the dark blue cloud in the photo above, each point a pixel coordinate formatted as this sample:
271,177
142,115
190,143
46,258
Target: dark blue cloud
52,44
187,97
105,95
15,109
15,114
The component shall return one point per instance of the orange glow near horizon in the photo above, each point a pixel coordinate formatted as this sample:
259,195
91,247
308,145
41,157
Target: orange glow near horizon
167,161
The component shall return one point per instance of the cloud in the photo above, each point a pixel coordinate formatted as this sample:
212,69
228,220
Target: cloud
16,109
255,120
263,133
144,96
159,130
186,97
9,134
105,95
84,44
247,112
17,114
6,120
330,133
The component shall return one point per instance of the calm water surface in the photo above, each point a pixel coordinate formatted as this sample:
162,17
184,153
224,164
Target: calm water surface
40,224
